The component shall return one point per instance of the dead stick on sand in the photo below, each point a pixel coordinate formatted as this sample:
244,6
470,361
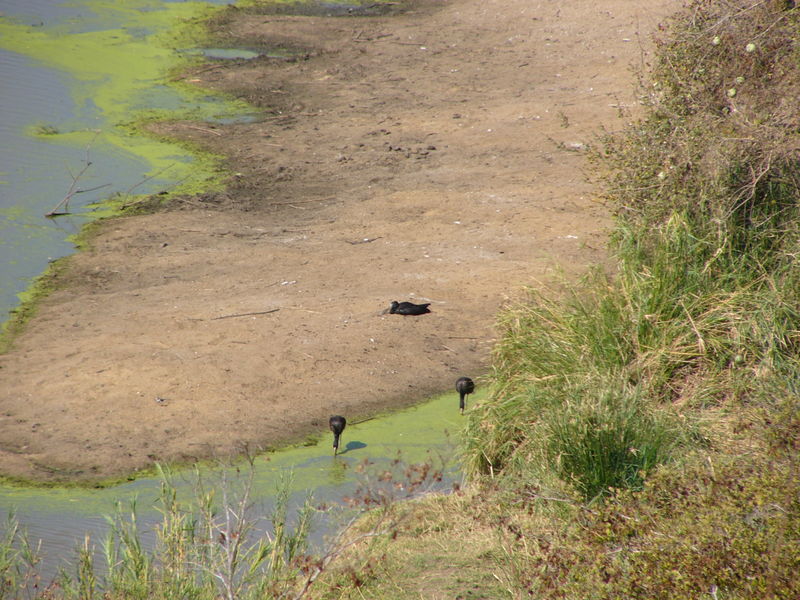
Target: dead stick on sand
304,201
204,129
247,314
195,73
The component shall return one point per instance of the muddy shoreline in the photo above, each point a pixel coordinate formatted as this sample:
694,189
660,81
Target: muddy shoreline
433,155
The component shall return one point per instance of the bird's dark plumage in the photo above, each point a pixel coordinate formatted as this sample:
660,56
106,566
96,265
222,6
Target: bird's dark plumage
408,308
464,386
337,424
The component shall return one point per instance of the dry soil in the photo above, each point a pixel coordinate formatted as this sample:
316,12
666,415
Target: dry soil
435,154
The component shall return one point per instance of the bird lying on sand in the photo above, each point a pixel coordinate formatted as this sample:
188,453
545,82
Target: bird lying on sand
337,424
408,308
464,386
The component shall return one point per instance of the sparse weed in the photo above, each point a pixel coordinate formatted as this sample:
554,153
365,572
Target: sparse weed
215,543
18,562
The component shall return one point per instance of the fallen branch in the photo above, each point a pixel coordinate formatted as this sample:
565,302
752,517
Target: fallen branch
196,73
304,201
72,188
247,314
203,129
166,190
148,178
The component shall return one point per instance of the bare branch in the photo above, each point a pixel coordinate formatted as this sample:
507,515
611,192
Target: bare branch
247,314
73,186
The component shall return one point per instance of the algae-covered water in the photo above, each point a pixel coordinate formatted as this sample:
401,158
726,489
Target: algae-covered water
426,433
78,78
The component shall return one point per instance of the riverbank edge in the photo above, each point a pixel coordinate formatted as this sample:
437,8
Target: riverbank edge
238,460
119,207
116,206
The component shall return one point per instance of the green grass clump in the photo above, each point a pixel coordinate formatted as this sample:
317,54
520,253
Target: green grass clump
608,441
641,433
703,309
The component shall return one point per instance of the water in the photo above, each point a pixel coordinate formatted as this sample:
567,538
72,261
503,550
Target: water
75,74
426,433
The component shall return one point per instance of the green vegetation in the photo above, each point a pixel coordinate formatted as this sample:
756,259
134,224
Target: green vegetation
102,60
108,63
205,548
641,435
30,301
704,309
215,541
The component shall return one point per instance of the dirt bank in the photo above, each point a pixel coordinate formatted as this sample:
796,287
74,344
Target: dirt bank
433,155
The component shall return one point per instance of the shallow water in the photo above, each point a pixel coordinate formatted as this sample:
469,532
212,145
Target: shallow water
426,433
75,75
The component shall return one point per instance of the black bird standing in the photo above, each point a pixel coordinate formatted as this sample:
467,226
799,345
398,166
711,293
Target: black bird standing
408,308
337,424
464,386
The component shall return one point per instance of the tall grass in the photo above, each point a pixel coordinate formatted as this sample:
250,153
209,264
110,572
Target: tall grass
703,308
19,559
212,545
212,542
209,546
609,440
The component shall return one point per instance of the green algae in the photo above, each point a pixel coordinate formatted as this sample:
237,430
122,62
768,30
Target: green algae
118,77
29,303
118,80
427,432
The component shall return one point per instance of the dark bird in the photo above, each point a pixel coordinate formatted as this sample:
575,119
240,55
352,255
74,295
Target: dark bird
337,424
408,308
464,387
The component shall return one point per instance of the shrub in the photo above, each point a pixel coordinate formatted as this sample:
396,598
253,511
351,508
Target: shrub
607,440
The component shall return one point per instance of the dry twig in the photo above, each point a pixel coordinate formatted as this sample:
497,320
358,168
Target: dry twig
247,314
73,187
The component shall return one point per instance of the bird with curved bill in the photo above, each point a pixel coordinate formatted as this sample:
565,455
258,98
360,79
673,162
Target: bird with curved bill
337,424
464,387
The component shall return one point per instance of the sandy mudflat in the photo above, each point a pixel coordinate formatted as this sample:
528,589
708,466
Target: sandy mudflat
436,155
